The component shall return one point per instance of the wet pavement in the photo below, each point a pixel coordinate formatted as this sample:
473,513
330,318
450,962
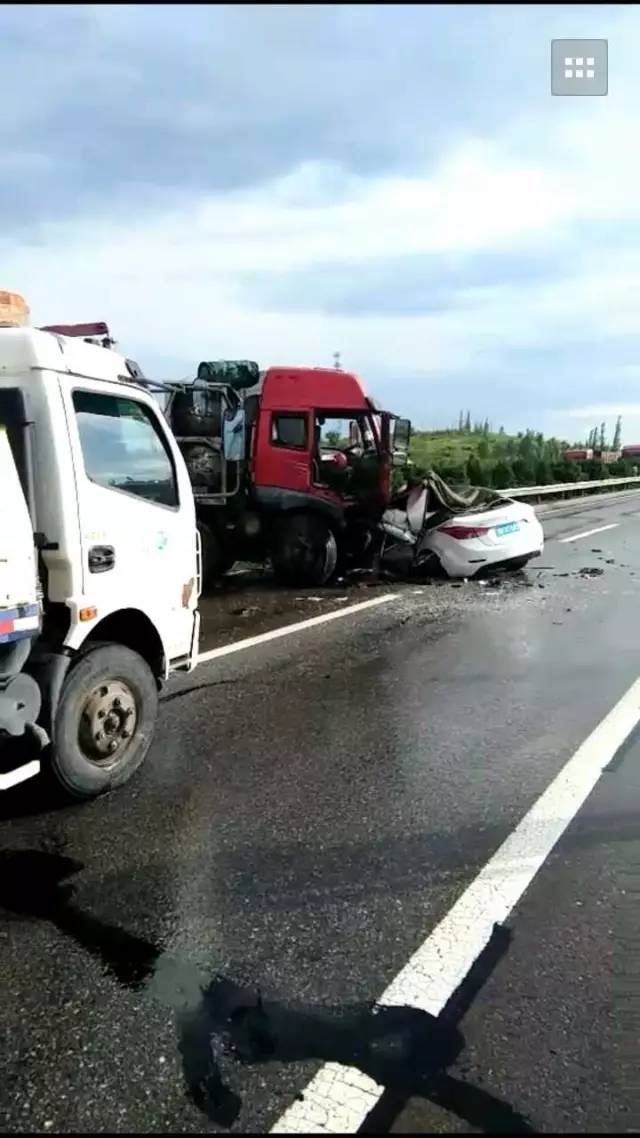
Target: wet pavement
311,808
248,602
560,1036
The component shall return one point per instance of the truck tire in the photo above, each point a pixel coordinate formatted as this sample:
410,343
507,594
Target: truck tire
104,720
197,412
305,551
216,560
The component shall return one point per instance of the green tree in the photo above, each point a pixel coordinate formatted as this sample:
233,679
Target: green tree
467,422
484,448
524,470
553,450
461,422
617,434
621,469
564,471
503,475
332,438
453,471
544,473
527,451
476,471
603,436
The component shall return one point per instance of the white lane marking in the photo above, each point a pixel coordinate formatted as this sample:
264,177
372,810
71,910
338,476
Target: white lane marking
288,629
338,1099
587,533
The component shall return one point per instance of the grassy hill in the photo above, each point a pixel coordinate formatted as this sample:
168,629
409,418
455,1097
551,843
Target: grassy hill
481,457
451,447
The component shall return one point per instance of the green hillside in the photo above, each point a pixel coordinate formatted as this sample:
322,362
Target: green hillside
482,457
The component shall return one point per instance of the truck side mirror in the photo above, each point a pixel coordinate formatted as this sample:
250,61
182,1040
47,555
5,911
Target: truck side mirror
354,434
401,434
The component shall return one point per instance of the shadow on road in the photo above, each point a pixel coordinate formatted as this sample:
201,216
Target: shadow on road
220,1022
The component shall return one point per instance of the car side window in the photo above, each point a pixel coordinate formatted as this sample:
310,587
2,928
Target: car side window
123,448
289,431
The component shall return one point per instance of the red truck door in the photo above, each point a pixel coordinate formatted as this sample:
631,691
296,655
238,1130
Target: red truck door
282,454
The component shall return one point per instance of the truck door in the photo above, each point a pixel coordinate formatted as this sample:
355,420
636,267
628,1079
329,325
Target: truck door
136,511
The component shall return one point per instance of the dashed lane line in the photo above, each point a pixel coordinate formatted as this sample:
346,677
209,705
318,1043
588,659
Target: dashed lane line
587,533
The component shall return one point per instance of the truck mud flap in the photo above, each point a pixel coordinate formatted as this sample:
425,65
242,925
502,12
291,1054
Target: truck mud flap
20,740
19,704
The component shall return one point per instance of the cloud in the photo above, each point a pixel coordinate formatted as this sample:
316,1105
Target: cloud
285,182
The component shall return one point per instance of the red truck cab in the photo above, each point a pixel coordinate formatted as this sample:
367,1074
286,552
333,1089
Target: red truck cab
286,448
307,498
323,499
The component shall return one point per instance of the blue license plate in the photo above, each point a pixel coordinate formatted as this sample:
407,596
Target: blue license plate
508,527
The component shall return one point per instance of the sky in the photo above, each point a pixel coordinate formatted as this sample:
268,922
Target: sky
279,183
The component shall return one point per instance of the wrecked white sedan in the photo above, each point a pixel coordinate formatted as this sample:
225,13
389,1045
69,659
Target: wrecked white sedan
433,527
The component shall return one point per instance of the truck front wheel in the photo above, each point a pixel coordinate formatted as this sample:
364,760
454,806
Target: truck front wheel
216,560
305,551
104,721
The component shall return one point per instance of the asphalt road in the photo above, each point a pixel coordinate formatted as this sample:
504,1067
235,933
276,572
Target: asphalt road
312,808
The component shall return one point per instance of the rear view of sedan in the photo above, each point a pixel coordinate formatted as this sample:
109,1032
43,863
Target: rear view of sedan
506,536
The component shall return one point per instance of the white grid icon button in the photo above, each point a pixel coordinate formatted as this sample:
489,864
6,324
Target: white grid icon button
579,67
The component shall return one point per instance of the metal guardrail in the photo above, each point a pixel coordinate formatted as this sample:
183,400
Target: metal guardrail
569,488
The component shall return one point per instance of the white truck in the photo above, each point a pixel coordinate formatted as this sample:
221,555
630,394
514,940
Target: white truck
99,561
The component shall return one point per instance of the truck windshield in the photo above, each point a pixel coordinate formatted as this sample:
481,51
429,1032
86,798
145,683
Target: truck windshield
122,447
345,431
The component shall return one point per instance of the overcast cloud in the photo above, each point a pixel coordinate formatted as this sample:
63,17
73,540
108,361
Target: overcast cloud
279,183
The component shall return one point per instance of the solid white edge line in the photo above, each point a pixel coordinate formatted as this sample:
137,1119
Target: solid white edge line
587,533
338,1099
21,774
288,629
